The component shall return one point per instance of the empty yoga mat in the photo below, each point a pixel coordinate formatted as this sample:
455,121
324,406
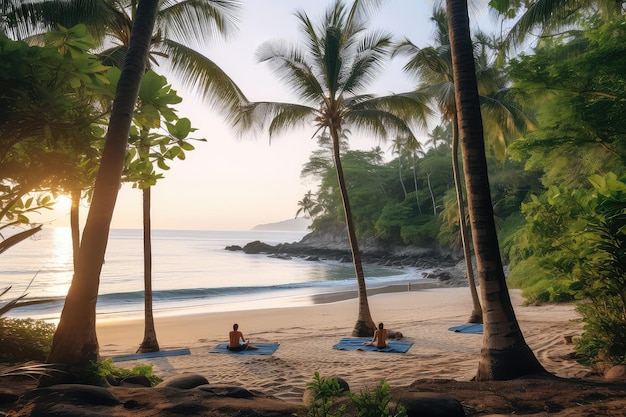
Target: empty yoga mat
174,352
263,349
467,328
356,343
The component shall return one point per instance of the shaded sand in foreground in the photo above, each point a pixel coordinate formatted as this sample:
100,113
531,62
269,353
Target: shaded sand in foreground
307,334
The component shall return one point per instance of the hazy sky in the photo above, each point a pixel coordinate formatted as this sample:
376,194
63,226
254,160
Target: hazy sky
231,183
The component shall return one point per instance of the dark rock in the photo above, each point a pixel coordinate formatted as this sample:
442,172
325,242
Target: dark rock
113,380
72,394
183,381
230,391
430,404
257,247
140,380
233,248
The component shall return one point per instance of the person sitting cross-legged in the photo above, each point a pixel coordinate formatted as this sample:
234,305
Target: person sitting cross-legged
237,342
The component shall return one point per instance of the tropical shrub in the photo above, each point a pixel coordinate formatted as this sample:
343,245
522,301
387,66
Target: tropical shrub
107,367
576,241
372,403
25,339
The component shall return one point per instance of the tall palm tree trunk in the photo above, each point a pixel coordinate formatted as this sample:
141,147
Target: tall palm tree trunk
417,198
476,315
74,224
75,344
364,324
149,343
504,354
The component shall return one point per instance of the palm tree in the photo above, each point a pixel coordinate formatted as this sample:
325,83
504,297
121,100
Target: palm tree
178,23
505,354
307,206
434,65
75,344
337,60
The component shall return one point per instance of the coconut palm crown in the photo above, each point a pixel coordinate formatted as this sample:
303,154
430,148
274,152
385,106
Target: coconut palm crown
328,72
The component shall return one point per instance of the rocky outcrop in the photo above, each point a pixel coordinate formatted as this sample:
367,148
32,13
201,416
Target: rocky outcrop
314,249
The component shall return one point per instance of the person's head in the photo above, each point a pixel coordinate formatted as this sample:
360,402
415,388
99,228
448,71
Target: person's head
380,326
235,326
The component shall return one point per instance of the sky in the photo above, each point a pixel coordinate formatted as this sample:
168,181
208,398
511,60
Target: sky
234,183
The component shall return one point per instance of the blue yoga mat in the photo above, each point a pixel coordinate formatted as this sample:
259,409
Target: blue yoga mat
356,343
174,352
263,349
467,328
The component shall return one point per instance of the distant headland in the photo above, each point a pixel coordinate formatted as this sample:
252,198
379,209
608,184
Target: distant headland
299,224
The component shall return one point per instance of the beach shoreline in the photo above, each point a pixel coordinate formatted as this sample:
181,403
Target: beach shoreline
307,333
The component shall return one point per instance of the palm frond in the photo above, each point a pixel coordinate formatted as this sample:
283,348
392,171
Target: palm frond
291,66
196,20
203,76
412,107
368,61
258,116
17,238
31,17
544,14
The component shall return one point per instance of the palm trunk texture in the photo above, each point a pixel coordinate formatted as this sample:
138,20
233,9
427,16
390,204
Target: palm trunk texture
505,354
75,343
149,343
476,316
364,324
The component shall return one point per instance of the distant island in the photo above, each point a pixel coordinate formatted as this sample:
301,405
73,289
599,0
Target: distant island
299,224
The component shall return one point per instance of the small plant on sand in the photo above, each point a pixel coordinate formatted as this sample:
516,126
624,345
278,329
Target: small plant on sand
107,367
375,403
326,391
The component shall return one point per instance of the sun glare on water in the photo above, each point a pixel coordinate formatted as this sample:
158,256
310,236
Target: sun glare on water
60,262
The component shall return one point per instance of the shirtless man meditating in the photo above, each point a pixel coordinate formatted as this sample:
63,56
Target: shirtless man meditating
380,337
237,342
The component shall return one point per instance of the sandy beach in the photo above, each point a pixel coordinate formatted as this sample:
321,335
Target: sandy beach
307,334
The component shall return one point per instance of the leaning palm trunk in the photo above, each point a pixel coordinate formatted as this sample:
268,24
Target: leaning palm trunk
505,354
149,343
75,344
364,324
476,315
75,225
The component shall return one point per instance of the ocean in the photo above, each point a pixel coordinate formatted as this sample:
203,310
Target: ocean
192,273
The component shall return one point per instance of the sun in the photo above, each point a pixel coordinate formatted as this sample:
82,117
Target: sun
62,204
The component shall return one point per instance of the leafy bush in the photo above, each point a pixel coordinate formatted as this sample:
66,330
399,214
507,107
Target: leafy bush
107,367
375,403
577,241
25,339
326,391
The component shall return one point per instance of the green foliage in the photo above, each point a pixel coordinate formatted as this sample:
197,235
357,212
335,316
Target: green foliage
576,242
25,339
157,134
326,391
374,403
377,403
107,367
50,119
577,85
